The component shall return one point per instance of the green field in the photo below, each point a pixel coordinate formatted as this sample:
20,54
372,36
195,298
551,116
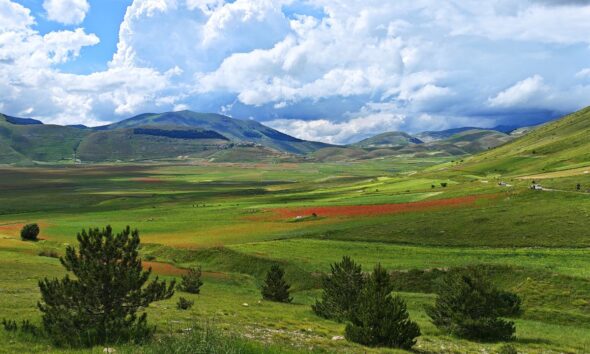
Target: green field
237,219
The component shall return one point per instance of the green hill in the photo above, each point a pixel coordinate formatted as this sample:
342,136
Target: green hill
389,139
148,136
475,140
556,146
430,136
465,142
27,142
148,144
237,130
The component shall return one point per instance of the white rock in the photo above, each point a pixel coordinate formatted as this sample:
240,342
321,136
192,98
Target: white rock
245,304
109,350
338,338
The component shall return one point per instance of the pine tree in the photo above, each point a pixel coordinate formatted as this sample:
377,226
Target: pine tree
341,290
99,304
191,281
381,319
29,232
275,287
469,306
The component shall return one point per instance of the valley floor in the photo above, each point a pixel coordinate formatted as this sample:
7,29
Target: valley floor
235,220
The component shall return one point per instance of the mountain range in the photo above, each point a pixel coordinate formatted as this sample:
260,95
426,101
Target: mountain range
215,137
147,136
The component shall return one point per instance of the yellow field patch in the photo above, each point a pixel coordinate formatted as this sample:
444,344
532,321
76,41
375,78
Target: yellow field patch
7,242
230,234
558,174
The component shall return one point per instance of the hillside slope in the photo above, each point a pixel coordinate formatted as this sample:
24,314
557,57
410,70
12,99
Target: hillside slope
389,139
559,145
465,142
148,136
135,144
23,140
234,129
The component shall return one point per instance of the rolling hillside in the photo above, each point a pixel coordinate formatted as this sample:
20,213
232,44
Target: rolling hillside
430,136
464,142
186,134
556,146
148,136
475,140
237,130
389,139
147,143
27,140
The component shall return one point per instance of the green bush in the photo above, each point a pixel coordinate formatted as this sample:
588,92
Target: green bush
191,281
30,232
184,304
341,290
507,349
381,319
9,325
510,304
469,306
25,327
275,287
99,304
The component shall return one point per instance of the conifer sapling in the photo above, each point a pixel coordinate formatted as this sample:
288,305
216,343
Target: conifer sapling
99,304
275,287
381,319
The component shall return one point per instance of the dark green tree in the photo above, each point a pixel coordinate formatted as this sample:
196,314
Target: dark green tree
29,232
191,281
381,319
184,304
99,305
341,290
275,287
469,306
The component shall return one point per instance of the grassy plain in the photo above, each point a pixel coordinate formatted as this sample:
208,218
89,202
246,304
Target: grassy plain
231,219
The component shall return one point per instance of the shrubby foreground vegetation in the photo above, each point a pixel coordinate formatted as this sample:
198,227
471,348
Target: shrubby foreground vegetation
100,305
103,304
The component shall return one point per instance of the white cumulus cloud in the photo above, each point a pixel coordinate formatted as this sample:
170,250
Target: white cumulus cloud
339,132
14,16
522,93
68,12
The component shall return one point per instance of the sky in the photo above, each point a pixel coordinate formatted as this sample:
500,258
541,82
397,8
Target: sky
328,70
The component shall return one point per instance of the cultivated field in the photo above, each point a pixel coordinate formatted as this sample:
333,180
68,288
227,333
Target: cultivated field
237,219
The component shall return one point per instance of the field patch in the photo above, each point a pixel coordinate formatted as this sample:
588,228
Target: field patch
163,268
380,209
147,180
11,229
559,174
